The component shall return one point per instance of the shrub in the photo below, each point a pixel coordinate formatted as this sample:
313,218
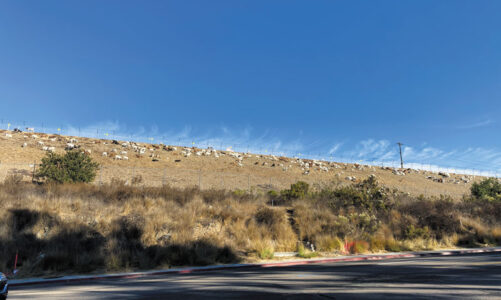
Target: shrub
298,190
377,244
264,249
329,243
487,190
239,193
13,179
412,232
138,179
355,225
273,197
71,167
268,216
441,216
393,246
12,183
266,253
303,253
309,221
366,195
273,194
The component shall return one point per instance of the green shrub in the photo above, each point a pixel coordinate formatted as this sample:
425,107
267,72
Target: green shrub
71,167
366,195
273,194
487,190
239,193
266,253
273,197
355,225
412,232
298,190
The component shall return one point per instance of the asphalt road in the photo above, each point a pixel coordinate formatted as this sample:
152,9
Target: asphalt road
468,277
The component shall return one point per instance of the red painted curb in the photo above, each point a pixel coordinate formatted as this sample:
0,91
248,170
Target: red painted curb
264,265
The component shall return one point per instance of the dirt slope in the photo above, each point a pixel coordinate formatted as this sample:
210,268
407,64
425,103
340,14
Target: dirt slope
176,165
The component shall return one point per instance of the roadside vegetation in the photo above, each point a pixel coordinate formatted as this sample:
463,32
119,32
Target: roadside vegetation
71,167
82,228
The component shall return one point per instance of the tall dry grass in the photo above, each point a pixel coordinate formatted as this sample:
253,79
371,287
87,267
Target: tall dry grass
83,228
80,228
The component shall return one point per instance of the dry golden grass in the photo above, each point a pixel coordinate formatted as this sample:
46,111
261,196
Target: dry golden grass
82,228
125,224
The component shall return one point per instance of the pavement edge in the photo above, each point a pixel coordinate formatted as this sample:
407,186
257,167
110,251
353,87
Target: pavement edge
70,279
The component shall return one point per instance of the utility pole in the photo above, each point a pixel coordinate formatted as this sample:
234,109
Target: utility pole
401,160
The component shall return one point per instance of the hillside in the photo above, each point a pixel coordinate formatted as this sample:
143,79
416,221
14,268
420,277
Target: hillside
157,164
86,228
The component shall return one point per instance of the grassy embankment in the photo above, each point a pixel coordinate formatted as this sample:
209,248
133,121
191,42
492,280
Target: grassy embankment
83,228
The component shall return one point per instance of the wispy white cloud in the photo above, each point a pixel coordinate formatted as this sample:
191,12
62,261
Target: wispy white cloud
335,148
385,152
371,150
477,124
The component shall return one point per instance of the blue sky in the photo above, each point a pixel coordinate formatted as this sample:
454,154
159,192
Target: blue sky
346,79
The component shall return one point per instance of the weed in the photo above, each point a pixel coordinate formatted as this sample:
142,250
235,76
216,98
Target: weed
304,253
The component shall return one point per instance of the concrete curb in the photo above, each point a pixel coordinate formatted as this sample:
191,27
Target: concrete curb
69,279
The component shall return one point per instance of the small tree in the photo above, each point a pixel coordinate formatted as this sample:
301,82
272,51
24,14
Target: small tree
71,167
297,190
488,189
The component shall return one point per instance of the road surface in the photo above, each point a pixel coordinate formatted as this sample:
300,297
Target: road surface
469,277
